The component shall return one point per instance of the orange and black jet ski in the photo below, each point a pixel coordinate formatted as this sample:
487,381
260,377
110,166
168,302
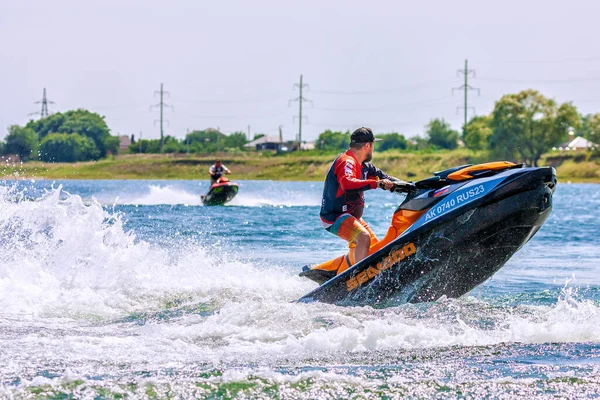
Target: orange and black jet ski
220,192
451,233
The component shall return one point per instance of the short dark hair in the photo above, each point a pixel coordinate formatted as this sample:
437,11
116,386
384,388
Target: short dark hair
357,146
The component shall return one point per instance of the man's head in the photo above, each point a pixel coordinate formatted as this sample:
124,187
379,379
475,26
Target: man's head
218,163
362,142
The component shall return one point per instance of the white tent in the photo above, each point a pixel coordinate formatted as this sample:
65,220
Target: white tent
581,143
263,140
578,143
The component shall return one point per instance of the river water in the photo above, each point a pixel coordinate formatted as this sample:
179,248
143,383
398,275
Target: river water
113,289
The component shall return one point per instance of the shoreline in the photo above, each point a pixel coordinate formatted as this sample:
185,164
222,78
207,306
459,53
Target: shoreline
560,181
572,168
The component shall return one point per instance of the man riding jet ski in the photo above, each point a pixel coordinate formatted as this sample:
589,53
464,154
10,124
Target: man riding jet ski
343,201
450,234
221,189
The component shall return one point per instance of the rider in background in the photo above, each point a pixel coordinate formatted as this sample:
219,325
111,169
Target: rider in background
216,171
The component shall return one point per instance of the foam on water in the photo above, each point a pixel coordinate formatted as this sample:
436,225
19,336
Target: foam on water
174,195
267,199
163,195
59,255
77,281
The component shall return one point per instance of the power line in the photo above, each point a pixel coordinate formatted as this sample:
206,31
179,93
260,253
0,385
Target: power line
379,91
131,105
350,125
538,81
555,61
231,101
466,87
161,105
232,116
389,107
44,102
300,100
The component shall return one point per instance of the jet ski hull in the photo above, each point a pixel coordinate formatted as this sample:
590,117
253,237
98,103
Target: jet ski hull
220,193
450,251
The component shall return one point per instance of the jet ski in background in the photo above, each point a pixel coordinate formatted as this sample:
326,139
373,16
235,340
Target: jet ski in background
451,233
220,192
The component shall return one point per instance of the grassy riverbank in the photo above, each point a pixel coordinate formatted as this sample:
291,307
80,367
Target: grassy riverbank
574,167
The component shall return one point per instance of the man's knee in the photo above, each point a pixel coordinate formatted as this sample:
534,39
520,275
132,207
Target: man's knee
363,239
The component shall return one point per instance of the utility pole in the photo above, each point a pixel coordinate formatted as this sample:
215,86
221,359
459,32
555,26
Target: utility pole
300,99
44,102
249,137
140,141
279,147
187,144
466,87
161,105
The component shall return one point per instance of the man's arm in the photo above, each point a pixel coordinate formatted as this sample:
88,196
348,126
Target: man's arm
344,171
373,171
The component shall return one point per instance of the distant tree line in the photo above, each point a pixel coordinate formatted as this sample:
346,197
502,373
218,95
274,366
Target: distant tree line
438,135
204,142
522,127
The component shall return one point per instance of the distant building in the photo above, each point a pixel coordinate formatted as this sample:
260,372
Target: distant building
275,144
307,146
124,142
578,143
266,143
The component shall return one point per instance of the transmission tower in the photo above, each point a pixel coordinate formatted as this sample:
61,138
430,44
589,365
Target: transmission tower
44,102
161,105
466,87
300,99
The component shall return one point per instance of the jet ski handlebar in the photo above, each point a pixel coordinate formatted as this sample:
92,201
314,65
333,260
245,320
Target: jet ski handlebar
403,187
434,182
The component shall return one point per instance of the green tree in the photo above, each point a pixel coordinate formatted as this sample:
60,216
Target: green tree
391,141
205,141
45,126
82,122
22,141
145,146
440,134
527,124
171,145
330,140
68,147
235,140
258,136
112,144
590,128
478,132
